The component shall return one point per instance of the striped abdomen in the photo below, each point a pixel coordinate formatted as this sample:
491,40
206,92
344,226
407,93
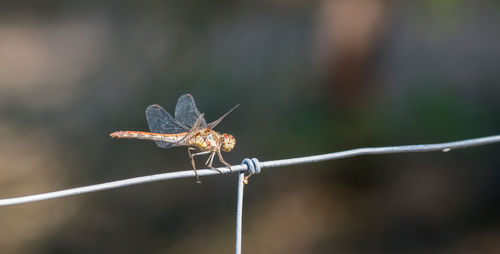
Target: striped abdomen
170,138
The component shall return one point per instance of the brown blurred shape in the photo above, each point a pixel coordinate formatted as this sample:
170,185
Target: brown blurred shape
349,32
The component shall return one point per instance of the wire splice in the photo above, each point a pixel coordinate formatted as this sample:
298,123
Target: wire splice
253,167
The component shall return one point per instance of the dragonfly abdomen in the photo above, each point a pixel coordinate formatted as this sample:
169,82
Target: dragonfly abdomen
171,138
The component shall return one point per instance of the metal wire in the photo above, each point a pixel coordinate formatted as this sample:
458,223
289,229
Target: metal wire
253,167
445,147
239,211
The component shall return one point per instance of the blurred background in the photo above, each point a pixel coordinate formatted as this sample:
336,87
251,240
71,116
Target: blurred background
311,77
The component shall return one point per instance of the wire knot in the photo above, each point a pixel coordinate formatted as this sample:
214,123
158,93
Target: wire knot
253,167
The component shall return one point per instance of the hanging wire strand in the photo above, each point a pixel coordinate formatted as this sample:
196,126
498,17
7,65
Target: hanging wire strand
444,147
239,211
253,167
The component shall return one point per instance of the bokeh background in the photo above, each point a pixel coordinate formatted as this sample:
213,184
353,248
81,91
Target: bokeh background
311,77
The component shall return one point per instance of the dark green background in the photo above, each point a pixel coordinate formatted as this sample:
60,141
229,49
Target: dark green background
311,77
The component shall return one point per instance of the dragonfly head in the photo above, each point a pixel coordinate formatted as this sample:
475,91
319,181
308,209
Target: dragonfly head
228,142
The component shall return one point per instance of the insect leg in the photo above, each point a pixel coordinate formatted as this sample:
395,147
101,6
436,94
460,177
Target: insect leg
209,157
210,161
200,153
192,162
223,161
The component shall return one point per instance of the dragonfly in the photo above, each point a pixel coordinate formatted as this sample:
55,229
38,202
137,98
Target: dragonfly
188,128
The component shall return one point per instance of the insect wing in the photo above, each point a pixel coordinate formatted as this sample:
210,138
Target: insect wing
186,111
196,126
160,121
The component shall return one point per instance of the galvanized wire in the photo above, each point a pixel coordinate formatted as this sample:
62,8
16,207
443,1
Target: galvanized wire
239,211
444,147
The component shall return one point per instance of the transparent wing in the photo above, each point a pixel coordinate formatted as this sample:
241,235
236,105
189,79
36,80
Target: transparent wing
186,111
198,123
160,121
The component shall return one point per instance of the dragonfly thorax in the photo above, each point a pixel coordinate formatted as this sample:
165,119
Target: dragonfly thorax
209,140
205,140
